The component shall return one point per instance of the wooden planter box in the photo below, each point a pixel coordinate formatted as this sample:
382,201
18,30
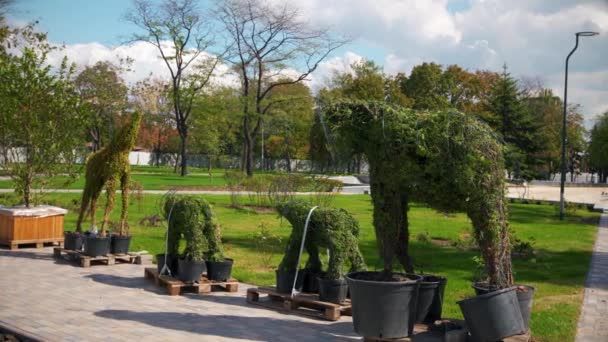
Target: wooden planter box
37,225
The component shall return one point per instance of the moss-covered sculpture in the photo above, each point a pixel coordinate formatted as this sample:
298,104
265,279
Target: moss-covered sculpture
331,228
448,160
193,219
106,167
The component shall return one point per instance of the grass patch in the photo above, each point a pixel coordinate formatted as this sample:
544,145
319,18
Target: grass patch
558,270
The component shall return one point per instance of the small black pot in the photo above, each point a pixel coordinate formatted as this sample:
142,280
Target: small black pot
525,295
383,309
171,263
333,291
219,270
72,241
95,245
120,244
285,281
493,316
190,271
429,295
310,284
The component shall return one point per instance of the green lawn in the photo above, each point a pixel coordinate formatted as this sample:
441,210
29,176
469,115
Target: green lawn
558,271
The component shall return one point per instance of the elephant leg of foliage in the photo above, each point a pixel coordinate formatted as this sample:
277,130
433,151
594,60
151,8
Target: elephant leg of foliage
86,199
337,258
357,262
390,222
292,251
124,189
212,232
111,195
314,262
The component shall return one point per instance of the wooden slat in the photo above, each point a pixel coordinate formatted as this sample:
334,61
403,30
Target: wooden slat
175,286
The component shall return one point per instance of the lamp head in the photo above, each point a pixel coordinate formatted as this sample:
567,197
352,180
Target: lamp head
587,34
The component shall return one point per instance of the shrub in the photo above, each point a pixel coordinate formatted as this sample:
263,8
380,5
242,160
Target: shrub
423,237
258,188
266,243
234,180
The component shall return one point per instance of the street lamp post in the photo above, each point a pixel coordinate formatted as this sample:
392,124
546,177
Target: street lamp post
564,123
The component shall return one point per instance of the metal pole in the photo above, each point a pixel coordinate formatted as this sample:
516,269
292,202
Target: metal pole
564,124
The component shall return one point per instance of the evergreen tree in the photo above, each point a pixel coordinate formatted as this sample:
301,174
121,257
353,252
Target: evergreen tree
598,148
512,119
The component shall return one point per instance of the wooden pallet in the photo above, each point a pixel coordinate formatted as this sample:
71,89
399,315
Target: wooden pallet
15,244
85,260
303,303
175,286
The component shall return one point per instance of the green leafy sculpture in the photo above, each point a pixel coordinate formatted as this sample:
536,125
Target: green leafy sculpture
106,167
331,228
448,160
193,219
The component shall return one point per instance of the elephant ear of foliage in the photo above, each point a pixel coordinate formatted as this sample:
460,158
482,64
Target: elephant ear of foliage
329,228
445,159
193,219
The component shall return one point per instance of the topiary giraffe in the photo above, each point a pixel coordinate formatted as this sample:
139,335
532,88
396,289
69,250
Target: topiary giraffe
105,168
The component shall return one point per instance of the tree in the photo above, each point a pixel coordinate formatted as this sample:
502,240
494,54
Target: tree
289,122
182,36
151,97
105,95
266,42
513,121
575,138
427,87
598,147
41,116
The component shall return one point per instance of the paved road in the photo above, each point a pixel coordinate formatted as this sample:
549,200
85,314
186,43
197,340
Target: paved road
55,301
593,322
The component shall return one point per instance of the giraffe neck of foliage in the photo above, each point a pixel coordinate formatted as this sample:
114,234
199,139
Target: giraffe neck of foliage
447,160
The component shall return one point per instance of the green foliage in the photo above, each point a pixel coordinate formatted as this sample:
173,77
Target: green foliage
193,219
448,160
334,229
423,237
234,180
598,147
40,118
107,167
427,87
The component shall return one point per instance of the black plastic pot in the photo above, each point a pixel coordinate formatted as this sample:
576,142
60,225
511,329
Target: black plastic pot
171,263
333,291
493,316
482,287
95,245
437,305
219,270
525,295
120,244
429,294
285,281
383,309
190,271
310,284
72,241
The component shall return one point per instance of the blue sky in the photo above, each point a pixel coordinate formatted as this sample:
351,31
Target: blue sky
531,36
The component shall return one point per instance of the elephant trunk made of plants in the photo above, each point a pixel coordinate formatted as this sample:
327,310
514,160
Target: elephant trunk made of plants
448,160
329,228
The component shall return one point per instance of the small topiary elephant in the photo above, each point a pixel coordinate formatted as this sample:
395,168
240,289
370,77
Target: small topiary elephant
331,228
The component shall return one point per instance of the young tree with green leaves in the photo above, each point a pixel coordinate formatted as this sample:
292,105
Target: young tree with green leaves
105,95
40,116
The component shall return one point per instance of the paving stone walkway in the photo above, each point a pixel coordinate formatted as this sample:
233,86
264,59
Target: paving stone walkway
593,322
52,300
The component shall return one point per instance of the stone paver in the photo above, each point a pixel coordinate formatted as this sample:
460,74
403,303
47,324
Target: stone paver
55,301
593,322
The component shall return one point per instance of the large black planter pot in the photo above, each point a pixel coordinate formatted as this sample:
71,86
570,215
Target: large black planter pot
95,245
482,287
333,291
437,305
525,294
120,244
310,284
429,294
171,263
219,270
72,241
190,271
285,281
383,309
493,316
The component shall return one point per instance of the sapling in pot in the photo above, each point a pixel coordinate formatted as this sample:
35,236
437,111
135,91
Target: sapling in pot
219,268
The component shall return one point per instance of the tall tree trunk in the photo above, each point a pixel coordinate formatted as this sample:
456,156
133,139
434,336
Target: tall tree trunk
184,150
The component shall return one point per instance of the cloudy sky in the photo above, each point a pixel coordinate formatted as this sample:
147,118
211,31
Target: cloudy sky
532,36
